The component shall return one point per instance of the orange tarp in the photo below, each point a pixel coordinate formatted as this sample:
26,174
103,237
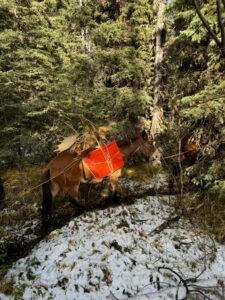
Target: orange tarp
104,161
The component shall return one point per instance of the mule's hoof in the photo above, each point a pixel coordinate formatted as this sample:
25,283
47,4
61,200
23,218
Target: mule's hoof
118,200
115,198
46,222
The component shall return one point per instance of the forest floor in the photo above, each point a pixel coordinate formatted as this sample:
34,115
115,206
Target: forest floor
143,249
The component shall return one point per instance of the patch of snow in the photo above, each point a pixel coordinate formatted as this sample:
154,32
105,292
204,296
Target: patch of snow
113,254
4,297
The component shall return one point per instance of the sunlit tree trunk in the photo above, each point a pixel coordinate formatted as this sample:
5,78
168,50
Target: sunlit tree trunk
157,117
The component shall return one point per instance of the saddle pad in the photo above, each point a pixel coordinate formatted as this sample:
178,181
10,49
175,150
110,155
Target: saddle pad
104,161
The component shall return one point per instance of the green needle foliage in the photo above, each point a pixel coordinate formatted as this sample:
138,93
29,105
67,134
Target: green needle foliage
195,90
61,59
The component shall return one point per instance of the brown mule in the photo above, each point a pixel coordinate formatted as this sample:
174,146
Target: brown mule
67,171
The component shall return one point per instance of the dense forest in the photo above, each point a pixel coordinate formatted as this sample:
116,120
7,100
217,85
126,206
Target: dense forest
146,64
62,61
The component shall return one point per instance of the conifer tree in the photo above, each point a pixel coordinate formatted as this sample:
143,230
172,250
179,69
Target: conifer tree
62,59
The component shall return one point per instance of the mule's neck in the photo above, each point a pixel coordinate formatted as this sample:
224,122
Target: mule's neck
128,150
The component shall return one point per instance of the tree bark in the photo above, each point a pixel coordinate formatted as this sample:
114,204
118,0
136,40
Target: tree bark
221,26
157,116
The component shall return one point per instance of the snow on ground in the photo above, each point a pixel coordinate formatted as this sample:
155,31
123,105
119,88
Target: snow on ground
114,254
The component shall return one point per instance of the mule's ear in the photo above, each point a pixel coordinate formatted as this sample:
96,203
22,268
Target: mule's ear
144,135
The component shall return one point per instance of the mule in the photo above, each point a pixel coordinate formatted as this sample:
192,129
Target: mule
66,171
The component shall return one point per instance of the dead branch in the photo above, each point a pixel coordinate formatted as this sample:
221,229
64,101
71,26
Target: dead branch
172,219
197,289
178,275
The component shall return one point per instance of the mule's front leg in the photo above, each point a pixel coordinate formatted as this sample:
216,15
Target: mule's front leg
74,197
113,179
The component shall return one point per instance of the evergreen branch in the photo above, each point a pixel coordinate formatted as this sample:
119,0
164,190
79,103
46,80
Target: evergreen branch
223,3
221,25
206,24
202,100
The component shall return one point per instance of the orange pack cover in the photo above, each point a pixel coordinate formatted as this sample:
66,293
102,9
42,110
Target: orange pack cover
104,161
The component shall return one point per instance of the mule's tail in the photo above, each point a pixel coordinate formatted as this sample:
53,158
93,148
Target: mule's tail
46,196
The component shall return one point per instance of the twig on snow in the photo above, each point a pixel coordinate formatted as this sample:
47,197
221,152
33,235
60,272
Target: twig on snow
172,219
178,275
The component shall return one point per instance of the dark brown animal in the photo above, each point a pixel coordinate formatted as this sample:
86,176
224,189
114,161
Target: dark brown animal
191,150
66,171
188,156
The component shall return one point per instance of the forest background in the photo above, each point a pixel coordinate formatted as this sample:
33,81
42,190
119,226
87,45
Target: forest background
63,61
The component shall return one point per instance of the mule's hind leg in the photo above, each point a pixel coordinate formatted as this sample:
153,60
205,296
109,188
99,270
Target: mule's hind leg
54,189
46,199
49,194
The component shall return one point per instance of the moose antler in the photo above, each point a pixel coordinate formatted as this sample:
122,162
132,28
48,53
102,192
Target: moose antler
67,143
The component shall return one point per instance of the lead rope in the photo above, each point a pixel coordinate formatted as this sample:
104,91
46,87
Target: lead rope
69,166
165,157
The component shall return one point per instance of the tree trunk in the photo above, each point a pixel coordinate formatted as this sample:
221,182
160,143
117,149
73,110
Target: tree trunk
157,116
221,26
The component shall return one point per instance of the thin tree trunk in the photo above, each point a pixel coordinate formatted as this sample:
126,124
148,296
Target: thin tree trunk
221,25
157,117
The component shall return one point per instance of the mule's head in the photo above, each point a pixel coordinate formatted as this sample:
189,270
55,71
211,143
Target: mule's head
149,150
